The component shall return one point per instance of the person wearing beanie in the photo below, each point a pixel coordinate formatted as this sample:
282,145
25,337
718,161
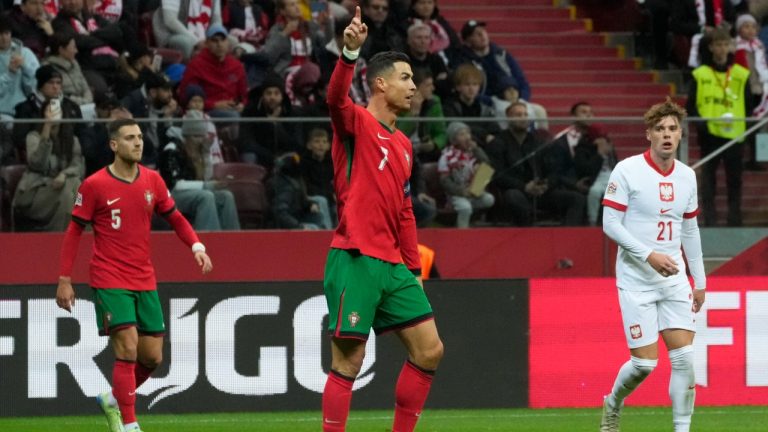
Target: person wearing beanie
457,166
55,164
508,93
63,52
195,104
17,70
186,167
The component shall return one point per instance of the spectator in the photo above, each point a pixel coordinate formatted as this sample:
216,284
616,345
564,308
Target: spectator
17,70
194,100
509,94
46,191
443,37
300,86
291,207
424,205
457,167
491,58
63,58
516,156
183,166
428,138
183,24
720,89
750,53
30,25
261,142
98,41
221,76
465,102
292,41
48,87
382,29
317,172
247,22
695,19
132,69
329,56
153,101
598,164
418,51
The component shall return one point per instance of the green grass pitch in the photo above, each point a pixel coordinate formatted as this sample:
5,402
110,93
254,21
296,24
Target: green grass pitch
709,419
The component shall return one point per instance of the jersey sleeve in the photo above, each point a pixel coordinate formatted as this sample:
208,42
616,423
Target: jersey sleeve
409,245
85,203
692,209
164,201
617,192
341,107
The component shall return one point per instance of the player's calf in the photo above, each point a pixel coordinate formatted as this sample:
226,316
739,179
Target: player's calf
682,387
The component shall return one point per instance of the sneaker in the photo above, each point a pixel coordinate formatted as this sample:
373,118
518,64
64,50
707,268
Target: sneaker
112,413
611,417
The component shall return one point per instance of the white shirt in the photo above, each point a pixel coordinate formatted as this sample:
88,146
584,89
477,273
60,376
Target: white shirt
659,215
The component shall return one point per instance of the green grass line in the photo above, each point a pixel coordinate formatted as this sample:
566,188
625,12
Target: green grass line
706,419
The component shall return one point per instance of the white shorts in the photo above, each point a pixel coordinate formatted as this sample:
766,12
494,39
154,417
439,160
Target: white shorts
646,313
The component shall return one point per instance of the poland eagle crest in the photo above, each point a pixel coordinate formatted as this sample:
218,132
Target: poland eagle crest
666,192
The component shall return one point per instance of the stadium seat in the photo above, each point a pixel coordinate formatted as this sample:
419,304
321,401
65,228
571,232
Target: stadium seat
9,180
246,182
445,213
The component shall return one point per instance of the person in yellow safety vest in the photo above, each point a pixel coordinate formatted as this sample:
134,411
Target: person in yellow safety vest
427,257
719,90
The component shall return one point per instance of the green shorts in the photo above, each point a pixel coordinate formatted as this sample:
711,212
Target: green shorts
364,293
120,308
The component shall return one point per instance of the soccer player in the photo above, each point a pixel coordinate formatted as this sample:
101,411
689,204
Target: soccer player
373,276
650,209
118,202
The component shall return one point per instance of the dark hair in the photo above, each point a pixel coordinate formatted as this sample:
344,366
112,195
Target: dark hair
383,63
5,24
60,40
663,109
115,126
420,74
576,106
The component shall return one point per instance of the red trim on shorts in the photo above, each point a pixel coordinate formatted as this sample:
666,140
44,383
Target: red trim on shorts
614,205
692,214
150,333
115,328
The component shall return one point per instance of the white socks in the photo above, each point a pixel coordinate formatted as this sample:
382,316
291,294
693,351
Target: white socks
631,374
682,385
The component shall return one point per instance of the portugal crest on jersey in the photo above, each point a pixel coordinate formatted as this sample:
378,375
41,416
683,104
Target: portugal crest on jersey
148,195
666,192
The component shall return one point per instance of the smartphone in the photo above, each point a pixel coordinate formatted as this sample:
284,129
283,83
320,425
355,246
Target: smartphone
157,62
55,105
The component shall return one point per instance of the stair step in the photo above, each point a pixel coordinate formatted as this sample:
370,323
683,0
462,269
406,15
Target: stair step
531,64
526,25
563,51
460,13
499,3
596,88
582,38
537,77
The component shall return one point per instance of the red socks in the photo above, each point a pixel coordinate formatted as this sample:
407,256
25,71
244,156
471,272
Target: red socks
124,388
142,374
336,399
410,394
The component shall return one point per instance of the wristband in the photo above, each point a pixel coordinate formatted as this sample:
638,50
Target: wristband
198,247
350,54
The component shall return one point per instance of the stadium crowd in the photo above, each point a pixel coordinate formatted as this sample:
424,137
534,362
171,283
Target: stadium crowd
189,69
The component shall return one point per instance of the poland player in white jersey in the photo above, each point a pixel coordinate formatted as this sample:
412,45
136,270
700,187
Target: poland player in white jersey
650,209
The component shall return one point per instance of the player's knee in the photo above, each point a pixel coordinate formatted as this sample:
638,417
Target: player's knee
429,358
681,358
643,367
151,361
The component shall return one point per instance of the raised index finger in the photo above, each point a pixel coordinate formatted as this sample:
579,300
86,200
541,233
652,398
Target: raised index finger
358,14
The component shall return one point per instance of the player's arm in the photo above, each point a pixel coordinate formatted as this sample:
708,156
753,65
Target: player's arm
187,234
409,245
65,294
341,106
692,246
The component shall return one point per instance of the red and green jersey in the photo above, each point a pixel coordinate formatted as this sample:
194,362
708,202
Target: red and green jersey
121,215
372,165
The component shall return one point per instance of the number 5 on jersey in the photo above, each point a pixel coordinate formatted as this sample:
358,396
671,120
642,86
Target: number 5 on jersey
116,220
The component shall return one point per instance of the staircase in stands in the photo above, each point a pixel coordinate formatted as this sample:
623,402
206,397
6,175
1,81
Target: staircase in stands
565,61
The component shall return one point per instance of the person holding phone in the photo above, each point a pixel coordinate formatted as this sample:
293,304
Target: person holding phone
17,70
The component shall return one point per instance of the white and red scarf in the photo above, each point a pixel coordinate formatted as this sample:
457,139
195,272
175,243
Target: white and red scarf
199,17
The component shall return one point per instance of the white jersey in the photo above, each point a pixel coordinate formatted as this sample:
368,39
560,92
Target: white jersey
654,206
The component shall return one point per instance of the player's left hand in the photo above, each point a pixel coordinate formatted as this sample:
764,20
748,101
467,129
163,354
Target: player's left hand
698,299
204,262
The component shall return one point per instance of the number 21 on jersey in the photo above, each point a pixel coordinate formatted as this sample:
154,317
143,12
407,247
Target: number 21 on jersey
665,231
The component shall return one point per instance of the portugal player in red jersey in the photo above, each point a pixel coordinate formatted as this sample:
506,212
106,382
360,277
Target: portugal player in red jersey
118,202
372,276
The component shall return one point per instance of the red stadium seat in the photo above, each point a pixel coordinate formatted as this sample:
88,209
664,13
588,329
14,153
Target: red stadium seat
238,171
